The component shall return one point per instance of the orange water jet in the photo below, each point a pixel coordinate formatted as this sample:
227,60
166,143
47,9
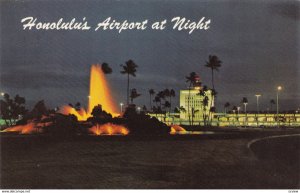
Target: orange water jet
100,91
109,129
176,129
23,129
99,94
81,115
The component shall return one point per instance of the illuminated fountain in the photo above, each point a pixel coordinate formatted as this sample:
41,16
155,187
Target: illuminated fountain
102,124
99,94
31,127
23,129
109,129
176,129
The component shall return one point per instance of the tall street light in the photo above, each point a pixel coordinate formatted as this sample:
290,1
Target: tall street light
121,104
238,110
257,108
279,88
245,109
139,109
257,104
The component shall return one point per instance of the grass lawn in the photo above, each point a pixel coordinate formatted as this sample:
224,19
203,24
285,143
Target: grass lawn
118,162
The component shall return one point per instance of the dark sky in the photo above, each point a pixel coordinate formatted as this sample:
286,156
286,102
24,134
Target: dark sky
257,41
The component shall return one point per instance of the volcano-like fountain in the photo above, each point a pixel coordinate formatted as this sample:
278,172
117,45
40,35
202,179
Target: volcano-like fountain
100,118
100,93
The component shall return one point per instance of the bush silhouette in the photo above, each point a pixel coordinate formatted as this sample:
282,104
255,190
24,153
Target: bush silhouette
141,124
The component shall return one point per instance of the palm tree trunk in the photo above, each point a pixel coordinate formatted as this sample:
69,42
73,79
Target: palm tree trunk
204,116
209,112
150,103
189,115
170,104
127,89
212,78
213,85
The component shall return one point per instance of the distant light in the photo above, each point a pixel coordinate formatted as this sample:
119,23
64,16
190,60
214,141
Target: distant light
121,104
258,95
89,96
2,93
279,88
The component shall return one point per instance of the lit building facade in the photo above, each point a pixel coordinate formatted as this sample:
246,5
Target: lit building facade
195,110
194,104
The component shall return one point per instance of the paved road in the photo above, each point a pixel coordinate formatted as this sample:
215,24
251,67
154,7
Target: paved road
195,163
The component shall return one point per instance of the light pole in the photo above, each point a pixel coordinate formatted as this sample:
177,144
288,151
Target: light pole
279,88
257,104
245,104
139,109
257,108
121,105
238,110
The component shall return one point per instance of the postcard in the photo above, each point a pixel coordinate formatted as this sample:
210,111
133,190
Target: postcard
158,94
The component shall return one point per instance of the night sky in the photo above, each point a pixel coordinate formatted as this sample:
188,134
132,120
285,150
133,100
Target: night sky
257,42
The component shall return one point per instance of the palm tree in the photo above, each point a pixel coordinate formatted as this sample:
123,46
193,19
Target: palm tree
192,78
213,95
204,102
157,100
159,97
129,68
226,105
151,93
214,64
194,112
167,94
211,111
176,110
167,105
106,69
182,109
204,105
272,102
245,102
172,94
134,95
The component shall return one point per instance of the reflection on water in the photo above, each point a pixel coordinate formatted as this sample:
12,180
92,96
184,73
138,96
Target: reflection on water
194,132
176,129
